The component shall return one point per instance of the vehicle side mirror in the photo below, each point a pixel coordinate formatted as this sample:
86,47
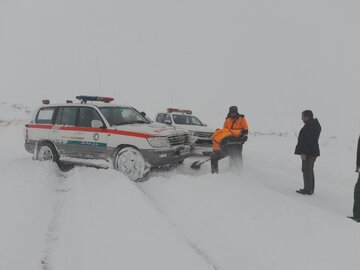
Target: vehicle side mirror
205,125
167,121
97,124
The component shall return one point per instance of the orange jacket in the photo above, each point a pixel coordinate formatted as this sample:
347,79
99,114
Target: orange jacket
240,123
231,128
218,136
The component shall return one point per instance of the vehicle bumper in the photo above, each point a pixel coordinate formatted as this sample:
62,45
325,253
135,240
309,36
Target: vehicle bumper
160,158
30,146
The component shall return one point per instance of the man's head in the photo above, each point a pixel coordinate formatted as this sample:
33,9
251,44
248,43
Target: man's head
306,116
233,111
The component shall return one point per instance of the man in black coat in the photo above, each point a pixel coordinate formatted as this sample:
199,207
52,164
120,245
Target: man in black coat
308,148
356,209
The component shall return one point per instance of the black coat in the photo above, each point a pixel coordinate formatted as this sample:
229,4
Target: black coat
358,157
308,141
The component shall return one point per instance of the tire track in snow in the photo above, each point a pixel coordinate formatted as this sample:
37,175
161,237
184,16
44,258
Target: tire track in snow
188,241
51,234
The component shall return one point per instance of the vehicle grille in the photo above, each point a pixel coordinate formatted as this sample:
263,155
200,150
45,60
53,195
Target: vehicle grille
203,134
179,139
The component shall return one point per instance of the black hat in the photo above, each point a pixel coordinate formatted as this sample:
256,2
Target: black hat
308,113
233,109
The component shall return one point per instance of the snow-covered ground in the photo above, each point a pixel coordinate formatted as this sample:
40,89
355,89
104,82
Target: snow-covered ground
271,58
13,114
182,219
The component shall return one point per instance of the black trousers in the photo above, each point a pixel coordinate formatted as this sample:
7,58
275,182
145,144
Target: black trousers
233,151
308,173
356,209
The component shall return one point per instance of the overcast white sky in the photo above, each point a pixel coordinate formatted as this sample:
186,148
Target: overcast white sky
273,57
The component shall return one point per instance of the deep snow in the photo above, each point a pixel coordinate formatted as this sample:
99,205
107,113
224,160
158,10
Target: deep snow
181,219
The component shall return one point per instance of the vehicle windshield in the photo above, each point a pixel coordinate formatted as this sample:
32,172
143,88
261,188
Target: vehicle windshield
117,116
187,120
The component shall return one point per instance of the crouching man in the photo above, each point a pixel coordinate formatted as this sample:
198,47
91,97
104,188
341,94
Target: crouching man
229,140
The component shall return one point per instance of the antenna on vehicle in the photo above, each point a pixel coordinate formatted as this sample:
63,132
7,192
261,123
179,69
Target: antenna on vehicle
98,72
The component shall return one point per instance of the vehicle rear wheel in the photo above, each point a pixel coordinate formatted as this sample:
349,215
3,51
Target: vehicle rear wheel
46,152
131,162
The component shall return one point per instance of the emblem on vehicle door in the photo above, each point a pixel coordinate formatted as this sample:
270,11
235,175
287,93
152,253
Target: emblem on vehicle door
96,137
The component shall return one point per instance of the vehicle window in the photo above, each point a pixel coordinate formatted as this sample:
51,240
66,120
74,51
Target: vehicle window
160,118
68,116
187,120
122,116
167,118
45,116
86,115
58,116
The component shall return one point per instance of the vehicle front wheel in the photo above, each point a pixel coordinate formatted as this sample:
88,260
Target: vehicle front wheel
131,162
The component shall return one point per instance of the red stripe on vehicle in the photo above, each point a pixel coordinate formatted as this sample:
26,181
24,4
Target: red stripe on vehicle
40,126
98,130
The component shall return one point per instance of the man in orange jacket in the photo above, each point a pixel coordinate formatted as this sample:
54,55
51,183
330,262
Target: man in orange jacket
229,140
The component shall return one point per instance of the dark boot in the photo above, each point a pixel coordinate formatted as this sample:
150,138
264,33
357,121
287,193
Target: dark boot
356,209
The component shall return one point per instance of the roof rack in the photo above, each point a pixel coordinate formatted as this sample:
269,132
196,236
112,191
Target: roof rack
85,99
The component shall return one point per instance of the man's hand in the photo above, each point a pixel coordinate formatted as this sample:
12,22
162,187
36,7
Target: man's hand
303,157
243,138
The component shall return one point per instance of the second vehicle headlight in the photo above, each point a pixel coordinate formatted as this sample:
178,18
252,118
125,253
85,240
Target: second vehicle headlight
159,142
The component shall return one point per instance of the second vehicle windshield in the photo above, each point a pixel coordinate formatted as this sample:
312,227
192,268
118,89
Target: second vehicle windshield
117,116
187,120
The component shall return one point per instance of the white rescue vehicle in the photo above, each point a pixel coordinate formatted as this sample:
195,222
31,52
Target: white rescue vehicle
200,132
80,133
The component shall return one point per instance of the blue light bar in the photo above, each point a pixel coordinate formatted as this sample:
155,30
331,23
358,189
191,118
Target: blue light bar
84,99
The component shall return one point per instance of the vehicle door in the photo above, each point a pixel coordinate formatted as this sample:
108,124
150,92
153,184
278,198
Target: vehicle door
90,137
63,131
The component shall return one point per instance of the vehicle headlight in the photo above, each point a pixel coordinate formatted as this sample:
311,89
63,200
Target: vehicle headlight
159,142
